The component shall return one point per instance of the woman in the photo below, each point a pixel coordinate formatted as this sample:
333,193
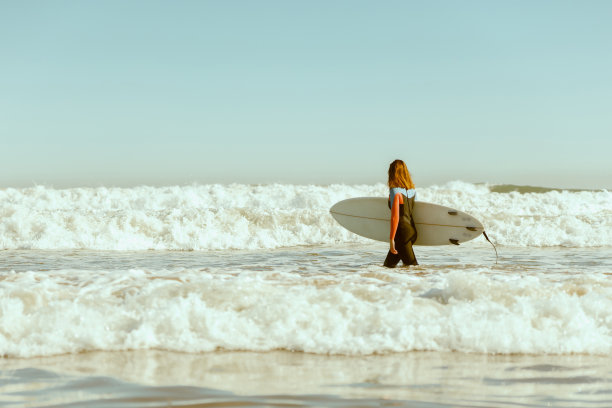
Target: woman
401,201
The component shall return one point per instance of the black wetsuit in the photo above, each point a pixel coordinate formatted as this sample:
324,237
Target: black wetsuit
405,236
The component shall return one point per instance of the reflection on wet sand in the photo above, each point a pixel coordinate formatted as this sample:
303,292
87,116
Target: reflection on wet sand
248,378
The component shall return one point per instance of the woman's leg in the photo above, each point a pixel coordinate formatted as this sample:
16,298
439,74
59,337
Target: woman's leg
392,259
407,254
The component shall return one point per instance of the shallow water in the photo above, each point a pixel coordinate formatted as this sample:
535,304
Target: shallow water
310,325
422,379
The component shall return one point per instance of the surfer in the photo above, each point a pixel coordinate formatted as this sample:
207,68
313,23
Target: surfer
401,202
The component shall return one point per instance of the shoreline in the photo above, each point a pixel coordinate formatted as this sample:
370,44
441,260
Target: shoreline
437,378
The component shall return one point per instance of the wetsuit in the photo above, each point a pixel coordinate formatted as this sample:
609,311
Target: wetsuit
403,231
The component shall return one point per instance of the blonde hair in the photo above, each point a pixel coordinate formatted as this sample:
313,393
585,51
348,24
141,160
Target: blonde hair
399,176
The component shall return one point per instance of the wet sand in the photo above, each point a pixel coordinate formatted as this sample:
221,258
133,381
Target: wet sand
156,378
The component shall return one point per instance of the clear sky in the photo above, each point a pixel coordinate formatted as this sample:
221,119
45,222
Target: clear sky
125,93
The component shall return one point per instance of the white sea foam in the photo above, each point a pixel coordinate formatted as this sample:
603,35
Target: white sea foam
209,217
370,311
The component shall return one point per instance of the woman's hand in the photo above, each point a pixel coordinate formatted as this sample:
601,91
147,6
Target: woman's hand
392,247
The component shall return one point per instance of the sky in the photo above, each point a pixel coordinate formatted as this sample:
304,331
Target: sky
124,93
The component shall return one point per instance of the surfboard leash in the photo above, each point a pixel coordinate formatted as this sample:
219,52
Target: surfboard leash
485,235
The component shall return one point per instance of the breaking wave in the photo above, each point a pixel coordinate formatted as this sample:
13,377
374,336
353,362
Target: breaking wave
237,216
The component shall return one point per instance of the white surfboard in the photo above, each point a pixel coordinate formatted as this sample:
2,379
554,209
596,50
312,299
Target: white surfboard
435,224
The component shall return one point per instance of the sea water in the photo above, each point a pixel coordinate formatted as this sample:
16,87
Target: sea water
254,295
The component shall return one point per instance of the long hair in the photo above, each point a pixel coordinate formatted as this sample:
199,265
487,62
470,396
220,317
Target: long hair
399,176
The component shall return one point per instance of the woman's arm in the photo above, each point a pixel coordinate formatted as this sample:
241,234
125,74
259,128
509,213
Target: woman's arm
397,200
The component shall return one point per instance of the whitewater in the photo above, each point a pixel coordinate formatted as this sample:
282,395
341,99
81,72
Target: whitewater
257,290
220,217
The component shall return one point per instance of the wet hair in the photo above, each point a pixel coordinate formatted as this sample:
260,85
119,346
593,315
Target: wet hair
399,176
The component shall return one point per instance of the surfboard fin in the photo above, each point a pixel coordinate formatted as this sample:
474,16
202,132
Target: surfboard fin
453,212
454,241
471,228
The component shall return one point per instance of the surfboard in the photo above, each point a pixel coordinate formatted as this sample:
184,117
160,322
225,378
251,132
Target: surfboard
435,224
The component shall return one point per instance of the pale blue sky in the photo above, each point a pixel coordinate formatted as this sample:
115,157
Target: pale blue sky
174,92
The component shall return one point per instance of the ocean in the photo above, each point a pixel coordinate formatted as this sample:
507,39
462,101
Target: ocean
252,295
